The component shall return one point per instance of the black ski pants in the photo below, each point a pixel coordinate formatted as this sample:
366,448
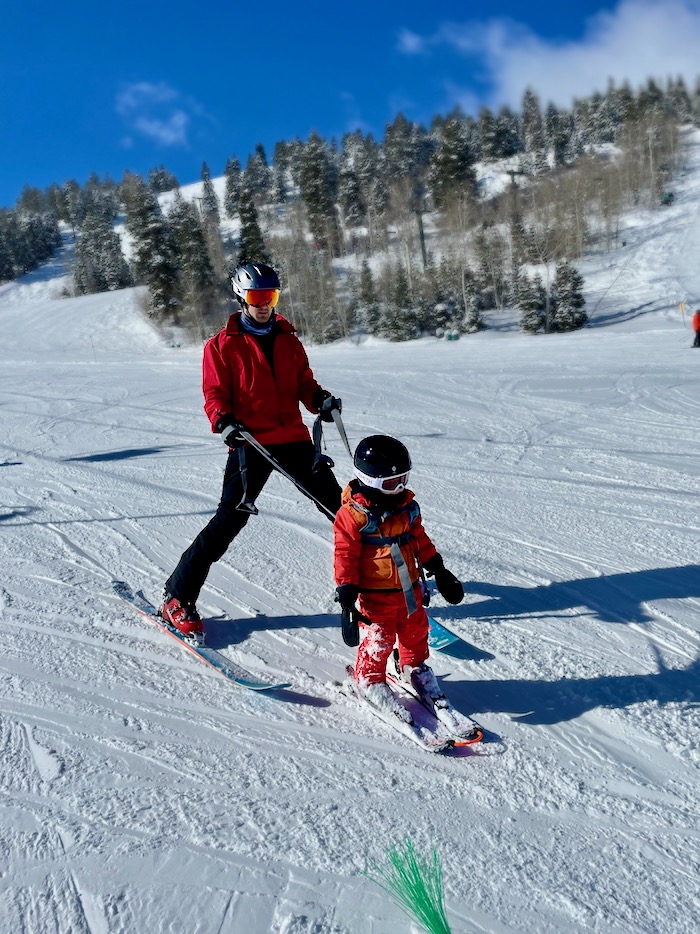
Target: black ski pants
247,471
696,342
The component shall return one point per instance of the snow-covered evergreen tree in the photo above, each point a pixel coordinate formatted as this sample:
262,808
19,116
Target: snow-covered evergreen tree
534,142
451,170
162,180
367,311
155,263
488,136
251,244
530,300
99,262
200,292
349,196
210,202
318,181
232,191
280,173
257,177
400,315
567,298
558,131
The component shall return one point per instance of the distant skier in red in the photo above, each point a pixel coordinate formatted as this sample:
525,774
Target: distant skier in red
380,546
696,328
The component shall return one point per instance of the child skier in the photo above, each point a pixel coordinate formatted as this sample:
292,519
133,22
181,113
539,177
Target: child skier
380,547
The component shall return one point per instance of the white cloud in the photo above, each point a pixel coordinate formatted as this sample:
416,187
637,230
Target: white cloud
636,40
410,43
156,112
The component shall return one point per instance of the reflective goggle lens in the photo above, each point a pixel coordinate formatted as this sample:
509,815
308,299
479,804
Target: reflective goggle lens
394,484
261,298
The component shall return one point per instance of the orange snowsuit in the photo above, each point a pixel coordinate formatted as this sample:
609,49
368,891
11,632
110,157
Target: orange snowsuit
363,538
696,321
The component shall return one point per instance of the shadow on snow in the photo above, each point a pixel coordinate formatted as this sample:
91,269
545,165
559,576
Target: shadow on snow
549,702
614,598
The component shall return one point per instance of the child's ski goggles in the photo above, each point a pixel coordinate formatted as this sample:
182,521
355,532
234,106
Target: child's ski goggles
396,484
261,298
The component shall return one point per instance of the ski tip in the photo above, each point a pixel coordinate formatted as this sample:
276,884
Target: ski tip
476,736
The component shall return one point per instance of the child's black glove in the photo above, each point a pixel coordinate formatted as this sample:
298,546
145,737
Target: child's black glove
346,595
449,586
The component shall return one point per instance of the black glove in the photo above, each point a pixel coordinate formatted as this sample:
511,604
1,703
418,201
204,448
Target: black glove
450,587
346,595
326,403
230,429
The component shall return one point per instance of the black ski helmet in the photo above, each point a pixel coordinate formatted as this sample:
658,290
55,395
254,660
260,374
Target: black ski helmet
253,276
382,463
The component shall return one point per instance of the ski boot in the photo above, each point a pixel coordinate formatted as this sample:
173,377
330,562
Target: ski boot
184,618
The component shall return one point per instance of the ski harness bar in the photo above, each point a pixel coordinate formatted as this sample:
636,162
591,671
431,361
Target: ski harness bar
280,469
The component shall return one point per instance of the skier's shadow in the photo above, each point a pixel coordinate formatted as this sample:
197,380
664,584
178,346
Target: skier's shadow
548,702
222,632
613,598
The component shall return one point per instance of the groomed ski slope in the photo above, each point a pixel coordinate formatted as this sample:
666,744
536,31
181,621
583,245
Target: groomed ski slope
559,476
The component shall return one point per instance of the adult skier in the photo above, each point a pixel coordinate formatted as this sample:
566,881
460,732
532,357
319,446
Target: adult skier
255,375
380,545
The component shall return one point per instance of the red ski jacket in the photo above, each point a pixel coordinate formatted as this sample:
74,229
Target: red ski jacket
696,321
237,380
368,563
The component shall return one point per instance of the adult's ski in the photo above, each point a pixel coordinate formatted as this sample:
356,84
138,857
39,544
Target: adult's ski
230,670
438,636
428,739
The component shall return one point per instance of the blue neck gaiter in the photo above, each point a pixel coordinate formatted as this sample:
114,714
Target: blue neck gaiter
253,327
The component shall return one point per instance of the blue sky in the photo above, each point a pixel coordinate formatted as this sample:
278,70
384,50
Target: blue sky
106,87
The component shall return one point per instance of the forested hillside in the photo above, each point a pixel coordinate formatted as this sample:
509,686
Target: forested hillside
420,232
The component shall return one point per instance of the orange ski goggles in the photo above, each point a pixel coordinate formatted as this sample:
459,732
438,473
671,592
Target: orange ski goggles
261,298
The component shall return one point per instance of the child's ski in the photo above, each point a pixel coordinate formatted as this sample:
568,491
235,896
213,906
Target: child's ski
431,741
463,730
215,660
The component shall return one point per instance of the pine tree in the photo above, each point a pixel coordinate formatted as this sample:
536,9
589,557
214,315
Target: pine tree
257,177
201,298
400,316
251,245
508,140
367,312
155,262
473,319
161,180
319,189
232,193
99,262
569,303
558,131
6,266
530,300
488,137
209,202
451,173
349,196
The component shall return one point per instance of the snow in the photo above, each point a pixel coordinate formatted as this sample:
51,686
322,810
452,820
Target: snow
558,476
